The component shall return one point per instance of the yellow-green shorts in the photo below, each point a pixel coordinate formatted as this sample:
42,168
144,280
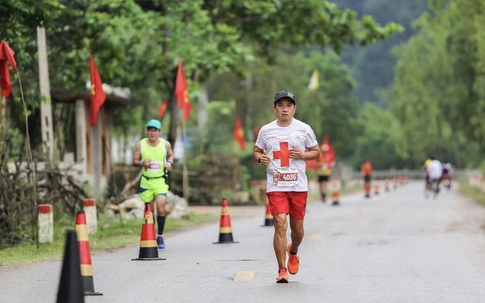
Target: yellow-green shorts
149,189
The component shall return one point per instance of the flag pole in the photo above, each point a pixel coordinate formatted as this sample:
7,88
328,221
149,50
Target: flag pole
31,166
185,175
4,125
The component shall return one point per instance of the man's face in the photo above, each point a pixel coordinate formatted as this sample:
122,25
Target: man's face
284,109
153,133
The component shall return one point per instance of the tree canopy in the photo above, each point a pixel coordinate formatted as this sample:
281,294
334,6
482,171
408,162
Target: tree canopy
438,95
137,44
437,87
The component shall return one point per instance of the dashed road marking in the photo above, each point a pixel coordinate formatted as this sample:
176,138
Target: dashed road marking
244,275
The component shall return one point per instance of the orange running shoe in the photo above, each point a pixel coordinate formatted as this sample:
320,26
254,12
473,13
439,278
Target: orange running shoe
293,261
282,276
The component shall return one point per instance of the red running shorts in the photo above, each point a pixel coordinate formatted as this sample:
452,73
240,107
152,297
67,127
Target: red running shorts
290,202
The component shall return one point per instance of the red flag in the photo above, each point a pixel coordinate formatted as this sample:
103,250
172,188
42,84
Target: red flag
162,109
239,133
182,92
97,93
6,56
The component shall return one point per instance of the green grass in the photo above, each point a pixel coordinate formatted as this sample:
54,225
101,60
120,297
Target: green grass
473,192
112,234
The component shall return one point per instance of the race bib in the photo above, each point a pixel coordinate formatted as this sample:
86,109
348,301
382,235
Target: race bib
154,167
286,177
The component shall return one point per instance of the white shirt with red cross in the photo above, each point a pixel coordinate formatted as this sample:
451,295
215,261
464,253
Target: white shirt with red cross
284,173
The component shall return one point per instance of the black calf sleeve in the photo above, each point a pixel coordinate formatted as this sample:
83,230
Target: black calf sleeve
161,224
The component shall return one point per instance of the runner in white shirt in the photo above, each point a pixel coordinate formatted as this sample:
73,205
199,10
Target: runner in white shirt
284,146
435,171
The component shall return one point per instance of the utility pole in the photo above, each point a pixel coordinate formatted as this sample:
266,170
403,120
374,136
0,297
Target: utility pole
45,105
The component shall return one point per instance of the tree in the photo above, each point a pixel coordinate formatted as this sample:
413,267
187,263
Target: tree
137,44
438,94
376,141
373,66
265,25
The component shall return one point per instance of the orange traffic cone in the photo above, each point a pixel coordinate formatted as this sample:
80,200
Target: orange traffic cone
70,285
225,230
85,255
268,218
148,240
335,195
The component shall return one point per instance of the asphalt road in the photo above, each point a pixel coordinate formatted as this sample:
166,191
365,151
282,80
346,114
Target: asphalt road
394,247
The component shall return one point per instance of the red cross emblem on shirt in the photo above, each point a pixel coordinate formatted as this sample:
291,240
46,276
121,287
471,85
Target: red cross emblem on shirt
283,154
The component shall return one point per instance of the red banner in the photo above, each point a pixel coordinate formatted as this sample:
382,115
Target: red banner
97,93
182,92
162,109
6,57
239,133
